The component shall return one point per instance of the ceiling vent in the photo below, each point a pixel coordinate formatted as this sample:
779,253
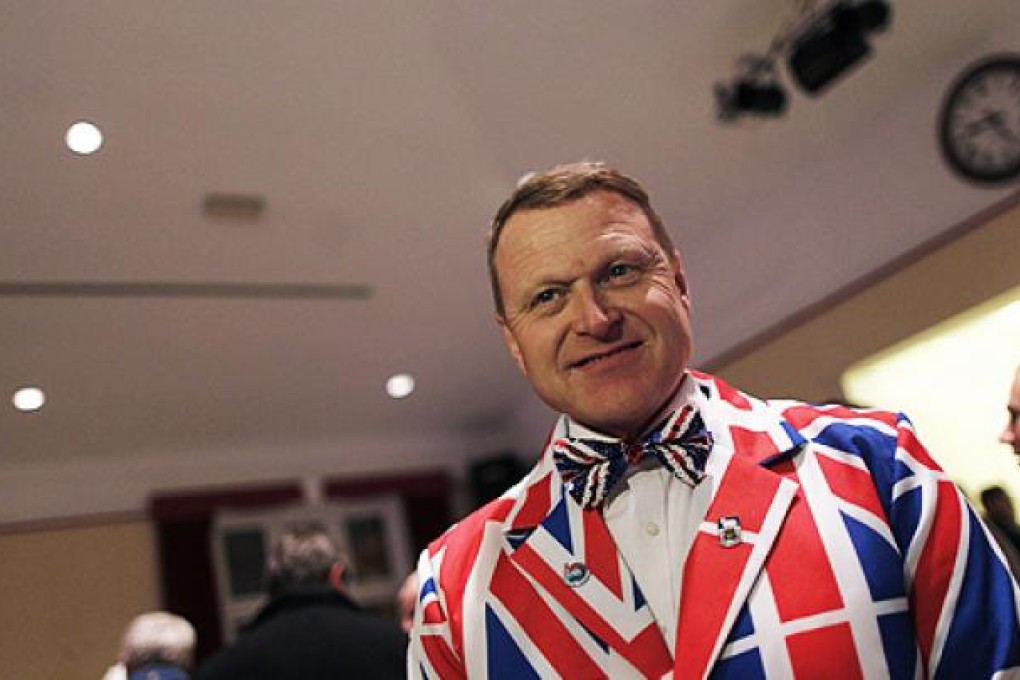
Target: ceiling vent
238,207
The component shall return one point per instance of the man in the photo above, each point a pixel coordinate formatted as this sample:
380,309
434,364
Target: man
407,598
310,628
675,526
156,646
1000,517
1011,433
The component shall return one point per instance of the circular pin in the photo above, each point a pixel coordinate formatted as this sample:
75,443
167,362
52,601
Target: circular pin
576,574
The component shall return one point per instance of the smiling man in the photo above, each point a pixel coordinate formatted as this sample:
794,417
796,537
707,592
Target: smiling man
674,526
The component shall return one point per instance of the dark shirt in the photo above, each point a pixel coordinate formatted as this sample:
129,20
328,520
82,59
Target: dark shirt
313,633
1010,529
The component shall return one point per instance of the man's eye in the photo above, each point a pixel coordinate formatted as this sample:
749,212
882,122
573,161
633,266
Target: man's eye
544,297
622,272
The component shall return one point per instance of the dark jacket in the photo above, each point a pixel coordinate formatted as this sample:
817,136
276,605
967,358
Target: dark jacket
158,671
318,634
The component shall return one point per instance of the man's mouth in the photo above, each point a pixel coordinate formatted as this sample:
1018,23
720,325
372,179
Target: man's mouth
595,358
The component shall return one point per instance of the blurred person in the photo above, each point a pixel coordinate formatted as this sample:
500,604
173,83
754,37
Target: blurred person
1011,433
156,646
407,596
1000,517
676,526
310,628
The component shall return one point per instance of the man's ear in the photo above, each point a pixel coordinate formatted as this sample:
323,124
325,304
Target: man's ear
336,576
511,344
677,263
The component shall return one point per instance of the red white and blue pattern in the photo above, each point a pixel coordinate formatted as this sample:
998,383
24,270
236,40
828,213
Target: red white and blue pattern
591,467
858,558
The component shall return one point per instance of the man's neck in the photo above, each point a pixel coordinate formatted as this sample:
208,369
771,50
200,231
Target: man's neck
636,434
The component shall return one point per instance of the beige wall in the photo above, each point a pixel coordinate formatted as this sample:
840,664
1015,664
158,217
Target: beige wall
806,361
67,595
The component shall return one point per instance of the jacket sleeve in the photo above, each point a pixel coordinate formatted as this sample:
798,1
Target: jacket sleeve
431,655
964,601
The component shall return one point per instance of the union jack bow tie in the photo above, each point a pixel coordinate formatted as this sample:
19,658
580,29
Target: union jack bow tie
590,467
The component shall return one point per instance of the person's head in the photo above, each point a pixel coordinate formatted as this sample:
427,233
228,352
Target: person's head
591,296
561,185
304,556
407,597
997,504
157,638
1011,433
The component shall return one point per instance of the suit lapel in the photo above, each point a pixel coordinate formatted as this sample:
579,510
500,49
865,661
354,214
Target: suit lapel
568,553
718,575
548,535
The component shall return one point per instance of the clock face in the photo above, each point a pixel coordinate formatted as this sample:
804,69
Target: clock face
980,124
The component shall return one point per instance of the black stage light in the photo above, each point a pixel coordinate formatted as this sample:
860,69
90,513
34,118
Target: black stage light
767,99
831,47
763,99
754,90
873,15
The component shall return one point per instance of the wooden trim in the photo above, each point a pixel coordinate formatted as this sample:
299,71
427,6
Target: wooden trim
860,284
408,485
73,522
197,504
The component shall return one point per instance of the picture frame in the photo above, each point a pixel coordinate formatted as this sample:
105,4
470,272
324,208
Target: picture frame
371,535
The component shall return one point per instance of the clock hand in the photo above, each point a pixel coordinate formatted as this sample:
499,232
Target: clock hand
976,127
996,121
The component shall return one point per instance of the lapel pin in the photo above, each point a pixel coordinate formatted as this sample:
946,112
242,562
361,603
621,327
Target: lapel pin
729,532
576,574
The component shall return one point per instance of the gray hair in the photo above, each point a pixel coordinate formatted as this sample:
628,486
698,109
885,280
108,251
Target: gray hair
158,637
303,556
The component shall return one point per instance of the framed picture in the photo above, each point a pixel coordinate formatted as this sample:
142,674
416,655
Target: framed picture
370,534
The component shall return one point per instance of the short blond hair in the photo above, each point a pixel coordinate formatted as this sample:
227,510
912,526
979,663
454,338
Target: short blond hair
565,184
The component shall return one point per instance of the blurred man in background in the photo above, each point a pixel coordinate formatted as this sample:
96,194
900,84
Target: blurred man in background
310,628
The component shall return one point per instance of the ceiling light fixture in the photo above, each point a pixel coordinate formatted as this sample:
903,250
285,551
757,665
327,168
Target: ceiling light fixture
234,206
400,386
83,138
28,399
754,91
835,43
823,44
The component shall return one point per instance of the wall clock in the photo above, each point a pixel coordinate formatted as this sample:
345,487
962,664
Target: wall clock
979,124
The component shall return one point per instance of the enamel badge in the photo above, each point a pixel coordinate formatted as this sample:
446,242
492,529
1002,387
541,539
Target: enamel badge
729,532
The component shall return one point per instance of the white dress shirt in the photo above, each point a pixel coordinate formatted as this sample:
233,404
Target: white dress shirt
653,518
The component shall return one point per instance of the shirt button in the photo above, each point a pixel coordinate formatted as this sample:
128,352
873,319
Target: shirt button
652,529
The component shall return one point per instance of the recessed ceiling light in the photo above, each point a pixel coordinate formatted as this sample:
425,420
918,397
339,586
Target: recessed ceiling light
29,399
400,386
83,138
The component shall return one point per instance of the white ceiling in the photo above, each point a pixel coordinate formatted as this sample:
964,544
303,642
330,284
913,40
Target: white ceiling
383,135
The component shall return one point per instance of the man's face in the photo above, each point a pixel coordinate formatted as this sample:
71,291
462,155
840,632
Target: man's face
596,311
1011,434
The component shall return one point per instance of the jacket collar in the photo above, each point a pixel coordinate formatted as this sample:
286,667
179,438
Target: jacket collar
570,553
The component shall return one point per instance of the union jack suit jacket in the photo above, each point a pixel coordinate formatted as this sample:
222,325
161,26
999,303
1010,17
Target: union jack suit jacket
856,557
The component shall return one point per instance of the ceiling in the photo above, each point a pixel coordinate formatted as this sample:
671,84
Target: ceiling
382,136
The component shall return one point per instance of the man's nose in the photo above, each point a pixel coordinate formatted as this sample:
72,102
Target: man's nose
1008,436
593,314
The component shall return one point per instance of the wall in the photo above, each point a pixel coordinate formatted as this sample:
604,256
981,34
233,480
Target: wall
805,359
68,593
103,485
74,571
